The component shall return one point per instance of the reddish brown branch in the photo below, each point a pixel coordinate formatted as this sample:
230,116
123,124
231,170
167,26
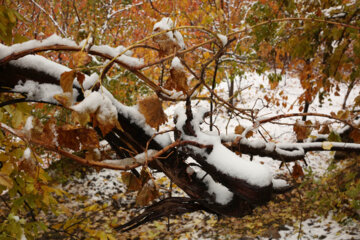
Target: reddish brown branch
52,147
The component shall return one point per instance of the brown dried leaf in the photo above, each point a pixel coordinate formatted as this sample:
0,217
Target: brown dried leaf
68,138
66,81
151,108
240,129
77,138
144,176
49,131
81,59
132,182
105,127
88,138
355,135
28,166
80,78
302,131
147,194
167,45
37,129
324,130
177,80
297,171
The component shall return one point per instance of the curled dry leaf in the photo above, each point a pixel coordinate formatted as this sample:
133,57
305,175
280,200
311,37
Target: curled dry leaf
66,81
80,78
177,79
151,108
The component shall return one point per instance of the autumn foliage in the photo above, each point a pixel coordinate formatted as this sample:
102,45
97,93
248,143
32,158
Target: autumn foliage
116,65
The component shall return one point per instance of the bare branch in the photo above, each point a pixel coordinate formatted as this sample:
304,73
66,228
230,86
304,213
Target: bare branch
51,18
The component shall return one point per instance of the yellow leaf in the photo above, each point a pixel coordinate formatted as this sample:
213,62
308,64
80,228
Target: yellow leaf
327,145
5,180
7,168
80,118
110,237
64,99
101,235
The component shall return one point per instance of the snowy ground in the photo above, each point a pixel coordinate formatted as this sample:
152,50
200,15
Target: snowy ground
102,186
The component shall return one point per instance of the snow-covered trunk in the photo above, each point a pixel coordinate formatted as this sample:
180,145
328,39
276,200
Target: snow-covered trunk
134,134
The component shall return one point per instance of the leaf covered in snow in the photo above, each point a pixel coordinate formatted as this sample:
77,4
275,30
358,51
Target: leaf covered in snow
101,108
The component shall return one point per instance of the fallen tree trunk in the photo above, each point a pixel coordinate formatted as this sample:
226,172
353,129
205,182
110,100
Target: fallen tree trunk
174,166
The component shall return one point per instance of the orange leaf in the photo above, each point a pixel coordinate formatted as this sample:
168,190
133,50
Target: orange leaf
49,131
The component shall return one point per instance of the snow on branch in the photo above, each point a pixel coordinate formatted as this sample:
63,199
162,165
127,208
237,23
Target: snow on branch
220,158
287,152
55,42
